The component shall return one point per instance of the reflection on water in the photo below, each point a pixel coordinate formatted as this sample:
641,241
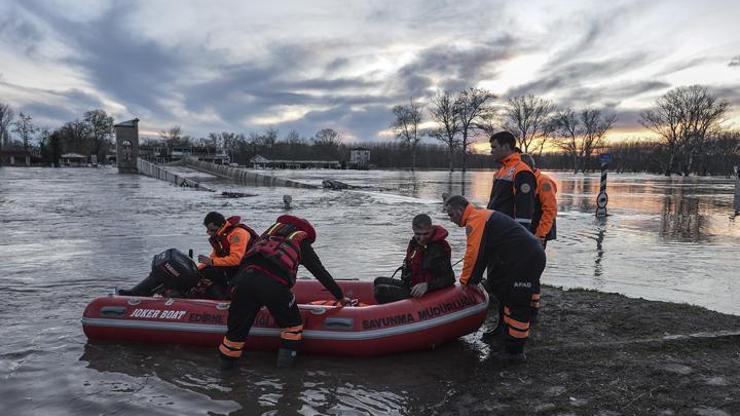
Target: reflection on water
72,234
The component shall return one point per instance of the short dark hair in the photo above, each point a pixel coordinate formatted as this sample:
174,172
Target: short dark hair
214,218
528,160
504,137
457,201
421,220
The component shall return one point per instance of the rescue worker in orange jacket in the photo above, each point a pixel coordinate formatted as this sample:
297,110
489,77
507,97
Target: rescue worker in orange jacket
543,222
230,240
266,280
512,192
546,204
494,238
427,266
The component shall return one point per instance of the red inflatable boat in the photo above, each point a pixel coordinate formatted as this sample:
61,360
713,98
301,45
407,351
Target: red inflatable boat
406,325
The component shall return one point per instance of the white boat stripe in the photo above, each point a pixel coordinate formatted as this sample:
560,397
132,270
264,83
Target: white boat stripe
307,334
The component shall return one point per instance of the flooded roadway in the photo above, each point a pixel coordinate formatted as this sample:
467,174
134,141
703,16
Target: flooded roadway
69,235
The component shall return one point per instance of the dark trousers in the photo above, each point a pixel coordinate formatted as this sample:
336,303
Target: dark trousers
220,278
514,287
534,304
388,289
254,290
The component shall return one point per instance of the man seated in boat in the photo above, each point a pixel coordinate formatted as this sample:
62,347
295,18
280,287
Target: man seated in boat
496,239
230,240
266,280
427,265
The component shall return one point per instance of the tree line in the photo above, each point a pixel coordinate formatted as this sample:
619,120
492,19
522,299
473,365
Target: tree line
686,120
90,135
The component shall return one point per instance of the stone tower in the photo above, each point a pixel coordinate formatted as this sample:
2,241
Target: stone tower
127,146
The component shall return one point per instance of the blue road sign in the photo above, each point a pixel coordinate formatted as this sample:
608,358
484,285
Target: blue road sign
605,158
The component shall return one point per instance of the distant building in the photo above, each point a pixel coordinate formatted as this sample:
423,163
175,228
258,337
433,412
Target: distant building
74,160
359,158
127,146
16,157
261,162
161,153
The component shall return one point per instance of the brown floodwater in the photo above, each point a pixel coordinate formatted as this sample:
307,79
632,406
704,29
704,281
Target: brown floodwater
69,235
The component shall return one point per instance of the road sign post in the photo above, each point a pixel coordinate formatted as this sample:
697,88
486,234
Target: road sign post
602,199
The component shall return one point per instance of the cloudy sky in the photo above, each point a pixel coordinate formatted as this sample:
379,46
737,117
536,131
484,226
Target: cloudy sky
244,66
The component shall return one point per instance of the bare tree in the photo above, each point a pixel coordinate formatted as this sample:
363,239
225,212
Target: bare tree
25,128
406,127
474,110
75,136
326,142
527,117
595,125
683,118
228,142
566,129
327,137
579,134
101,129
444,113
6,118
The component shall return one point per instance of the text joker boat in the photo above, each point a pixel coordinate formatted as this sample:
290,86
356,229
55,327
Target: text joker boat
410,324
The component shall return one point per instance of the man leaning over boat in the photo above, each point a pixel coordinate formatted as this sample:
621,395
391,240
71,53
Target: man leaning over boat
266,280
495,238
173,273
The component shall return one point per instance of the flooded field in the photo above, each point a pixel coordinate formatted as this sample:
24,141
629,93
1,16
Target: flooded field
69,235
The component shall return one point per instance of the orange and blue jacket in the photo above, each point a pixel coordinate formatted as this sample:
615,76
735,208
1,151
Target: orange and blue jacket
513,190
546,207
230,243
493,238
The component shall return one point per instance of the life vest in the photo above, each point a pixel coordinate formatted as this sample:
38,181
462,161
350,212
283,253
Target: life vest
280,245
220,240
415,255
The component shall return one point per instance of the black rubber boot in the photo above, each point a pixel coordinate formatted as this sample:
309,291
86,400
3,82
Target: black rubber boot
227,364
286,357
145,288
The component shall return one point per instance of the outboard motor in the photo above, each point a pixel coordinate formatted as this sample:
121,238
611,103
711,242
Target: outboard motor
173,274
175,270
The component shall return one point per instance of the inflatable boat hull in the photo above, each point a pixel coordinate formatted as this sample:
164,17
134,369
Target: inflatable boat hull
406,325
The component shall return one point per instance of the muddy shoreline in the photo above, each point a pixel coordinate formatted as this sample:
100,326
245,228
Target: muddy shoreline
596,353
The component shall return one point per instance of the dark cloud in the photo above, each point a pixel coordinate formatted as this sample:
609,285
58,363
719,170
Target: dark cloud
53,108
729,93
19,32
680,66
575,74
611,95
735,61
454,67
133,71
361,122
597,30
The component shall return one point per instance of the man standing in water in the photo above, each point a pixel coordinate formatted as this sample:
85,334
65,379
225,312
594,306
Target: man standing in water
543,220
266,280
512,194
519,258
